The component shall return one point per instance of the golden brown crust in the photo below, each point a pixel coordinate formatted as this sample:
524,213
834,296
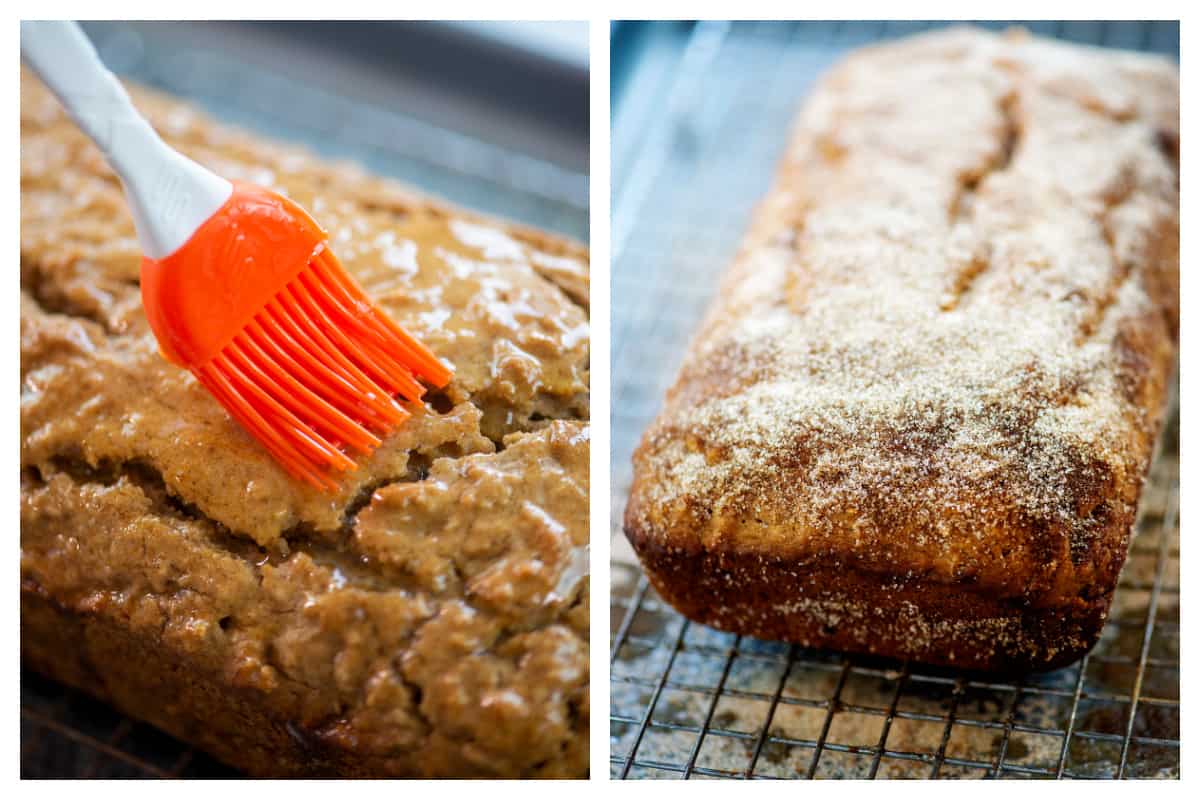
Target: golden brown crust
938,364
430,618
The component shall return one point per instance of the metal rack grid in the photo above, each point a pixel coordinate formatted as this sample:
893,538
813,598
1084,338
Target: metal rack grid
691,702
64,732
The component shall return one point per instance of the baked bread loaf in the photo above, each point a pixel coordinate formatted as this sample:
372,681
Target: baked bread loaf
916,420
431,618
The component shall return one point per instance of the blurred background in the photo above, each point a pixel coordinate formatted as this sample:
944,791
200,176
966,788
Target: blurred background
701,113
489,115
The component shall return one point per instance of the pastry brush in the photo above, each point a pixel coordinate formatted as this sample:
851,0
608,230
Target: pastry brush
240,286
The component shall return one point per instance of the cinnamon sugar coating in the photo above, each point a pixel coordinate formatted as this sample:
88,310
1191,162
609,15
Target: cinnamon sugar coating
916,420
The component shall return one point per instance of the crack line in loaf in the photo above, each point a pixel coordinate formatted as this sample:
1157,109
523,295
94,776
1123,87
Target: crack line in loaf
962,205
570,298
1122,270
300,538
562,248
34,283
561,289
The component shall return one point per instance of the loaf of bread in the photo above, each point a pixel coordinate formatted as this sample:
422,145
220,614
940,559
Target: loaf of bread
916,420
431,617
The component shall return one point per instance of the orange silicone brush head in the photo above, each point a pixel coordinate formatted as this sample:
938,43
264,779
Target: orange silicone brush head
267,319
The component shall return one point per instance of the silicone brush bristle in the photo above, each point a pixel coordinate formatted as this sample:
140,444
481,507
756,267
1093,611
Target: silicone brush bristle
313,375
264,315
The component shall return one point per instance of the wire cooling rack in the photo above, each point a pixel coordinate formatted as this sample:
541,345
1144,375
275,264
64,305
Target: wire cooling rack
65,733
691,702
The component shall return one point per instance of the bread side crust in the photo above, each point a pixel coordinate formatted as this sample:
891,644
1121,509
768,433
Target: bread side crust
133,672
841,608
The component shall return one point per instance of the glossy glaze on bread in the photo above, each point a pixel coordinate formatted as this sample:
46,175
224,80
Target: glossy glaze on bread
916,420
431,618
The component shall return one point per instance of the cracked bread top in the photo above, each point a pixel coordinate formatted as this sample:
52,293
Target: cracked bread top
942,350
428,618
506,307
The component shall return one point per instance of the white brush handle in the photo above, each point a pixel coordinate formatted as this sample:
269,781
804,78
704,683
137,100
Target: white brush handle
169,194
